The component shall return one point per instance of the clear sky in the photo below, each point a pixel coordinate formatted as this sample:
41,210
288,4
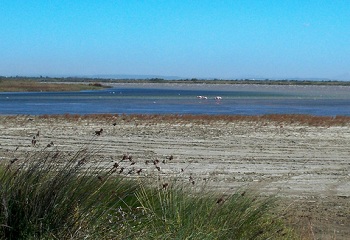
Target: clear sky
189,39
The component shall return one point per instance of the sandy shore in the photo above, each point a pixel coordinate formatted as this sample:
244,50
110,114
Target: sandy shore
307,166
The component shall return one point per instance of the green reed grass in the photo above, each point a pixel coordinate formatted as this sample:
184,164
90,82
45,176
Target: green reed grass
46,197
51,195
179,213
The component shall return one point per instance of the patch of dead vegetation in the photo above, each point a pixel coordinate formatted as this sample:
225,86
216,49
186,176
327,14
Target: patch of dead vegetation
35,86
277,119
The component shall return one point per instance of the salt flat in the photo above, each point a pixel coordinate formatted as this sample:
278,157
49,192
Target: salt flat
307,166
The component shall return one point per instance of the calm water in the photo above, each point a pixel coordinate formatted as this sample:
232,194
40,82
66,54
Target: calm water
182,99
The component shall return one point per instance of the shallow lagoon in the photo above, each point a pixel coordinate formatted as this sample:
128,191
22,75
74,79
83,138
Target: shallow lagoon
182,99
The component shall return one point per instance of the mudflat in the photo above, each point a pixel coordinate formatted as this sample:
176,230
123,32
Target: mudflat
306,164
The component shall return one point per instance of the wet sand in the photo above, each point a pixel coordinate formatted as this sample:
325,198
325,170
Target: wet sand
307,167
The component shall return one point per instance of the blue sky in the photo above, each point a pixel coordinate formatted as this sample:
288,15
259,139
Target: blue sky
189,39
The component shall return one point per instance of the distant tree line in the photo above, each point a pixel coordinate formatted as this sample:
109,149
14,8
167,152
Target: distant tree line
192,80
